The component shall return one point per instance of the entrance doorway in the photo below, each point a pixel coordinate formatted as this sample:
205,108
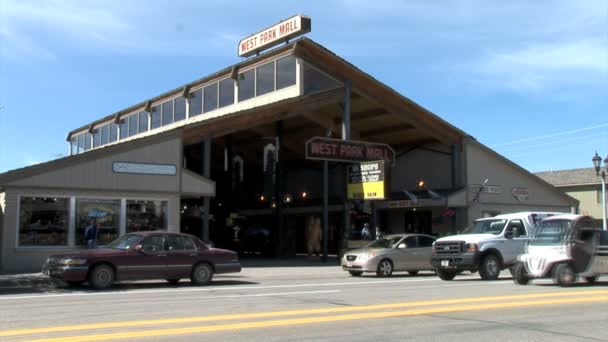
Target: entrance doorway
419,221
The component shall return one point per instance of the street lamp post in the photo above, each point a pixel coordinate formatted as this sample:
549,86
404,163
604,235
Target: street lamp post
597,161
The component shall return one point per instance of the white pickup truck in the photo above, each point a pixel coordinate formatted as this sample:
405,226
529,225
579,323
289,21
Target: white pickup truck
489,245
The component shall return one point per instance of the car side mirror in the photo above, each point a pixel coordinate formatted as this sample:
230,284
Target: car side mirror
139,248
401,245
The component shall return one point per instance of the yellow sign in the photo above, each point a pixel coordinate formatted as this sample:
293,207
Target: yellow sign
366,181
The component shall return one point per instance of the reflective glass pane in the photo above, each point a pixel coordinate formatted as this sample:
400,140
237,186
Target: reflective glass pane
143,122
96,137
103,214
88,139
167,112
210,101
146,215
196,103
105,134
43,221
133,125
124,128
80,143
226,92
113,132
315,80
74,145
180,109
286,72
155,117
246,85
265,79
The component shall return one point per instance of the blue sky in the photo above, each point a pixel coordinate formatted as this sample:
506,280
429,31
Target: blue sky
527,78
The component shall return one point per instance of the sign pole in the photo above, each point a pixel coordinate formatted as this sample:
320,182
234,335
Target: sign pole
346,137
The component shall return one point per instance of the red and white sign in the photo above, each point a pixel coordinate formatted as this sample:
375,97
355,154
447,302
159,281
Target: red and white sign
520,194
286,29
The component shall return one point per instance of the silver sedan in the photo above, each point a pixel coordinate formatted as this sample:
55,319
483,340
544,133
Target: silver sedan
391,253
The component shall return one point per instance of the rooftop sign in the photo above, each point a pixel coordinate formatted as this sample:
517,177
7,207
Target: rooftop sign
274,35
321,148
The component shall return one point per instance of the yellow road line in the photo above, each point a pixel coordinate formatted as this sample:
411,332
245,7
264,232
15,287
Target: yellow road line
323,319
293,312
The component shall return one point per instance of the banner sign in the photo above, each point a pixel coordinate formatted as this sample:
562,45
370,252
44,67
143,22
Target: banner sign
366,180
319,148
488,189
147,169
520,194
274,35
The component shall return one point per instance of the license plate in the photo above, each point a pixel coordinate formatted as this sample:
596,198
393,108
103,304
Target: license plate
349,264
445,263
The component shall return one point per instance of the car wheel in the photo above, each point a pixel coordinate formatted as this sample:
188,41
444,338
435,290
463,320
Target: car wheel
591,279
520,275
445,274
201,274
355,273
489,269
385,268
412,272
173,281
564,275
74,283
101,277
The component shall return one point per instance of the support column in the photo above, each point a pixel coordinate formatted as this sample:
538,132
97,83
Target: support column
325,208
207,174
346,136
278,192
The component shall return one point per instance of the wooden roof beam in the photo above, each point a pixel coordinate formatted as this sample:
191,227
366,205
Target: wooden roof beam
387,130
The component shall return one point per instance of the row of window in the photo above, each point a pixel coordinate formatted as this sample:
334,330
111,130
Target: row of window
45,221
266,78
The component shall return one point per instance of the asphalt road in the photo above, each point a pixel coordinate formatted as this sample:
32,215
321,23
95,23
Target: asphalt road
313,304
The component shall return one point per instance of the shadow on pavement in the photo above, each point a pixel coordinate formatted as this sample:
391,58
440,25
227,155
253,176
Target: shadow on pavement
297,261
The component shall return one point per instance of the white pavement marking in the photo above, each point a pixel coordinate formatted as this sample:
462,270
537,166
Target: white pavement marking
232,288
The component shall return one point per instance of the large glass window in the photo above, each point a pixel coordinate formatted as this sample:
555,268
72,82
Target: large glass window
196,103
155,117
43,221
74,145
246,85
265,79
314,80
124,128
146,215
286,72
105,213
113,132
96,137
143,122
88,139
133,124
105,134
81,143
210,101
180,109
167,112
226,92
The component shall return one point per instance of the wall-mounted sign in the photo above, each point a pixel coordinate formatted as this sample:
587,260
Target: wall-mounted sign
320,148
366,180
147,169
488,189
274,35
520,194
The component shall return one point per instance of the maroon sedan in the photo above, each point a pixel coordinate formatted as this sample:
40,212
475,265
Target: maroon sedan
143,255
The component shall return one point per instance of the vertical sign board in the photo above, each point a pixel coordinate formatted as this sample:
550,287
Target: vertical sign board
274,35
366,180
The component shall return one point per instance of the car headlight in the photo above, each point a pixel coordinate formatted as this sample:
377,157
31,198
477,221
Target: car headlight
72,261
471,247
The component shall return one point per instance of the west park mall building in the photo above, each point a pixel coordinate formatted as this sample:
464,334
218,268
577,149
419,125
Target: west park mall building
228,152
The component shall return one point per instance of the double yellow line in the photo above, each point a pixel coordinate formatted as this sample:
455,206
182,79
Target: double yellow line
343,314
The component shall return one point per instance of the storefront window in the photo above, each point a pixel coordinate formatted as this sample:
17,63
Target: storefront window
196,103
210,101
43,221
146,215
106,214
226,92
265,79
246,85
286,72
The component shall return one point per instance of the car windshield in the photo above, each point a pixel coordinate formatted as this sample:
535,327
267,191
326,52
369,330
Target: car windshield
486,227
553,232
387,242
124,242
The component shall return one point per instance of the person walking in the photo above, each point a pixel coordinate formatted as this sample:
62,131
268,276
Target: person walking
90,234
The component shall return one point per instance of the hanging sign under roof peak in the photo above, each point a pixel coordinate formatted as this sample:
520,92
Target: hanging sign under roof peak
274,35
